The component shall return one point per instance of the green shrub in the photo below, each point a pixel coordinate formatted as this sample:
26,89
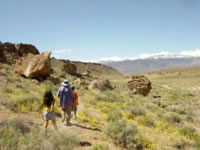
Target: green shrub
8,90
32,140
18,86
173,96
146,120
144,143
190,116
9,138
161,105
107,96
18,125
30,103
63,140
115,115
138,111
12,138
10,79
197,142
180,111
48,85
180,143
173,118
9,103
122,133
188,131
188,94
100,147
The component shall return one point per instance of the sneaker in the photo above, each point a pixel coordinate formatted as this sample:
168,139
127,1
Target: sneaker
68,124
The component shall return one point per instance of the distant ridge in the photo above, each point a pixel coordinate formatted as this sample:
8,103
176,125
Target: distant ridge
154,63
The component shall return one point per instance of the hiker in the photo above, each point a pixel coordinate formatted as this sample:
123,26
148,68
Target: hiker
66,98
48,103
75,103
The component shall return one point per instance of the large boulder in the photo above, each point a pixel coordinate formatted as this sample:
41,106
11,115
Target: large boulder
24,49
86,74
9,53
70,68
102,85
34,66
139,85
78,81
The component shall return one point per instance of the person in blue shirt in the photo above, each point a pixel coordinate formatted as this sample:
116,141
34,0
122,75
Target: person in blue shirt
66,98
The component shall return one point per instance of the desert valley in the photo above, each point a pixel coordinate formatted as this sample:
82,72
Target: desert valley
156,110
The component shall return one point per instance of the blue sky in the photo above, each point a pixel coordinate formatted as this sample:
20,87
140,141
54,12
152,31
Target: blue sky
95,29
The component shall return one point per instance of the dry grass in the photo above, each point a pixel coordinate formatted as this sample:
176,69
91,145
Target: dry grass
172,117
169,121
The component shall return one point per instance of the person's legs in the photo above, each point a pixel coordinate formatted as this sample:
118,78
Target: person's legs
63,114
53,118
46,119
46,125
68,109
54,124
72,114
75,113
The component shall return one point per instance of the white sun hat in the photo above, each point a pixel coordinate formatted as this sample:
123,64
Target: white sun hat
65,83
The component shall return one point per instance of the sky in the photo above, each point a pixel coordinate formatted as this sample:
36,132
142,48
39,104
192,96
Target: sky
97,29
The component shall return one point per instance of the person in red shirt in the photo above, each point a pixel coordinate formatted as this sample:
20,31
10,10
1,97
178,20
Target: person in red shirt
74,103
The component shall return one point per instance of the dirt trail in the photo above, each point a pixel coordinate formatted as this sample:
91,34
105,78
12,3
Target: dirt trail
88,135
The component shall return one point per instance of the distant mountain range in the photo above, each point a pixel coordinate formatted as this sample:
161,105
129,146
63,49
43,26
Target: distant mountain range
153,63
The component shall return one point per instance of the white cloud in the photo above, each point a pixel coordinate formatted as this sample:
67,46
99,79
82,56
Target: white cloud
114,58
193,53
164,54
61,53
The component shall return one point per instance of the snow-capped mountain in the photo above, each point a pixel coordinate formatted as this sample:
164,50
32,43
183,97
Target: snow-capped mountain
153,62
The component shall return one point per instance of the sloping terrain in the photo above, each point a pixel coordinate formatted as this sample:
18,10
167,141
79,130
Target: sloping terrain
167,118
92,69
98,70
21,109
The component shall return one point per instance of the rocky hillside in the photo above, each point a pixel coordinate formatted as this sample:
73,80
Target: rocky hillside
97,70
87,69
10,53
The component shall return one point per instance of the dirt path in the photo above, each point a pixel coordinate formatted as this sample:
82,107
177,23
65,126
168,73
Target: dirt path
89,136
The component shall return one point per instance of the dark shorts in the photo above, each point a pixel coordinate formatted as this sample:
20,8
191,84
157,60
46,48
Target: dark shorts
74,108
49,115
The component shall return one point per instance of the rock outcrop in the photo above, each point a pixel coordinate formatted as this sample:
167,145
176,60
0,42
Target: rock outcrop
24,49
78,81
139,85
86,74
34,66
54,80
70,68
9,53
102,85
